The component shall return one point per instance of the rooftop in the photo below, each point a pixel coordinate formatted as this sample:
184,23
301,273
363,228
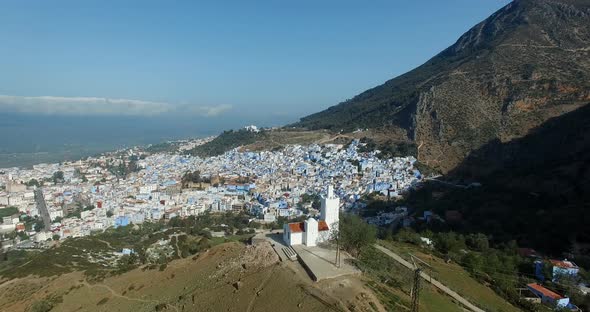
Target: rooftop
545,292
299,227
564,264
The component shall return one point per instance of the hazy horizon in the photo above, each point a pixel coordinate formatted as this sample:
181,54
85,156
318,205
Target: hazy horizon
35,138
98,76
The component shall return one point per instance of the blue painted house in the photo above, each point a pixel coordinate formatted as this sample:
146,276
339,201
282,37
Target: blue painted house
539,270
121,221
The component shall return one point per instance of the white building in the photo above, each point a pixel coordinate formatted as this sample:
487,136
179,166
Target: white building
311,232
330,208
14,187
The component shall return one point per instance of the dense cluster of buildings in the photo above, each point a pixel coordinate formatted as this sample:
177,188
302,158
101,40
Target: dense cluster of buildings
91,195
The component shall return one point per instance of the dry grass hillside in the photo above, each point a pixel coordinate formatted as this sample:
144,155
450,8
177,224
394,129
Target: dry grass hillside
228,277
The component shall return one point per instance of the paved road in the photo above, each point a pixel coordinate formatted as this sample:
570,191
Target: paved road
434,282
43,208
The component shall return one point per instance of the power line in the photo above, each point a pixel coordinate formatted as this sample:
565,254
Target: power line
512,273
506,272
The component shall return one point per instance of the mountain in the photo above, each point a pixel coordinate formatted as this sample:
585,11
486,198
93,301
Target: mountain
534,189
523,65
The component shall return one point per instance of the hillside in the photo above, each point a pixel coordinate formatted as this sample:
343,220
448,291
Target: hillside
526,63
179,267
192,284
226,141
544,175
229,277
268,139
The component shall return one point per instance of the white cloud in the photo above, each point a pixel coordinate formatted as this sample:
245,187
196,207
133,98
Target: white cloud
57,105
210,111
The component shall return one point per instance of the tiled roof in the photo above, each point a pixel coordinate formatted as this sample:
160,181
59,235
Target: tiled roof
545,292
296,227
299,227
323,226
564,264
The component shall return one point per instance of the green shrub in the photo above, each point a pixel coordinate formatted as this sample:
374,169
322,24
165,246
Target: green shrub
41,306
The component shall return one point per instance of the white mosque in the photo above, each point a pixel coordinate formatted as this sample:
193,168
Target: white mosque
311,232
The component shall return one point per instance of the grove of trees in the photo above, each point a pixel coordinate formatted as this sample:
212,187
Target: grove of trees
354,234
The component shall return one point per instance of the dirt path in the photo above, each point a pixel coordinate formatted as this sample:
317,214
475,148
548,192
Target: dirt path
22,265
116,294
176,242
105,242
434,282
334,138
260,288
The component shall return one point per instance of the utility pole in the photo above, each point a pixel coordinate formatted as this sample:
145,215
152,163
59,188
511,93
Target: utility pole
337,262
416,287
416,291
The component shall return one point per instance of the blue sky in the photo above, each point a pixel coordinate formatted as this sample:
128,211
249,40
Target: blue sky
211,58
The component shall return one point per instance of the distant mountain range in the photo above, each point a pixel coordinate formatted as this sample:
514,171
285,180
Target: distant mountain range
525,64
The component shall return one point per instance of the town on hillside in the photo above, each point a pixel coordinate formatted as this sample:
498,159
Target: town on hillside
75,199
292,198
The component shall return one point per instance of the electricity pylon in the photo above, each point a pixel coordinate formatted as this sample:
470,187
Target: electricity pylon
416,286
416,291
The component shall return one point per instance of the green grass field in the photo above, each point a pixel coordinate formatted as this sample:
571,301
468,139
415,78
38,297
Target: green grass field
455,277
392,284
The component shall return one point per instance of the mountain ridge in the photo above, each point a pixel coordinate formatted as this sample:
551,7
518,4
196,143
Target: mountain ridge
526,63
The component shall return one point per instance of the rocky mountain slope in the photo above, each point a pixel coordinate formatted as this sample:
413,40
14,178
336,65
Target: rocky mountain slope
526,63
535,189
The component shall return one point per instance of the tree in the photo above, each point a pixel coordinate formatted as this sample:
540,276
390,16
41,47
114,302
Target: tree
33,182
38,225
473,262
41,306
22,235
449,242
58,177
316,204
55,237
191,177
8,211
407,235
109,214
354,234
478,242
175,222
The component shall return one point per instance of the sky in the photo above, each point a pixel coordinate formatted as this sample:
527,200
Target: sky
231,61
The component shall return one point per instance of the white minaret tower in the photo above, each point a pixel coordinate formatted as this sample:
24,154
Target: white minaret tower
330,208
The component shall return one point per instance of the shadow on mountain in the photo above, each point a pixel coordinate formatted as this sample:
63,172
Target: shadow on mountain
535,190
